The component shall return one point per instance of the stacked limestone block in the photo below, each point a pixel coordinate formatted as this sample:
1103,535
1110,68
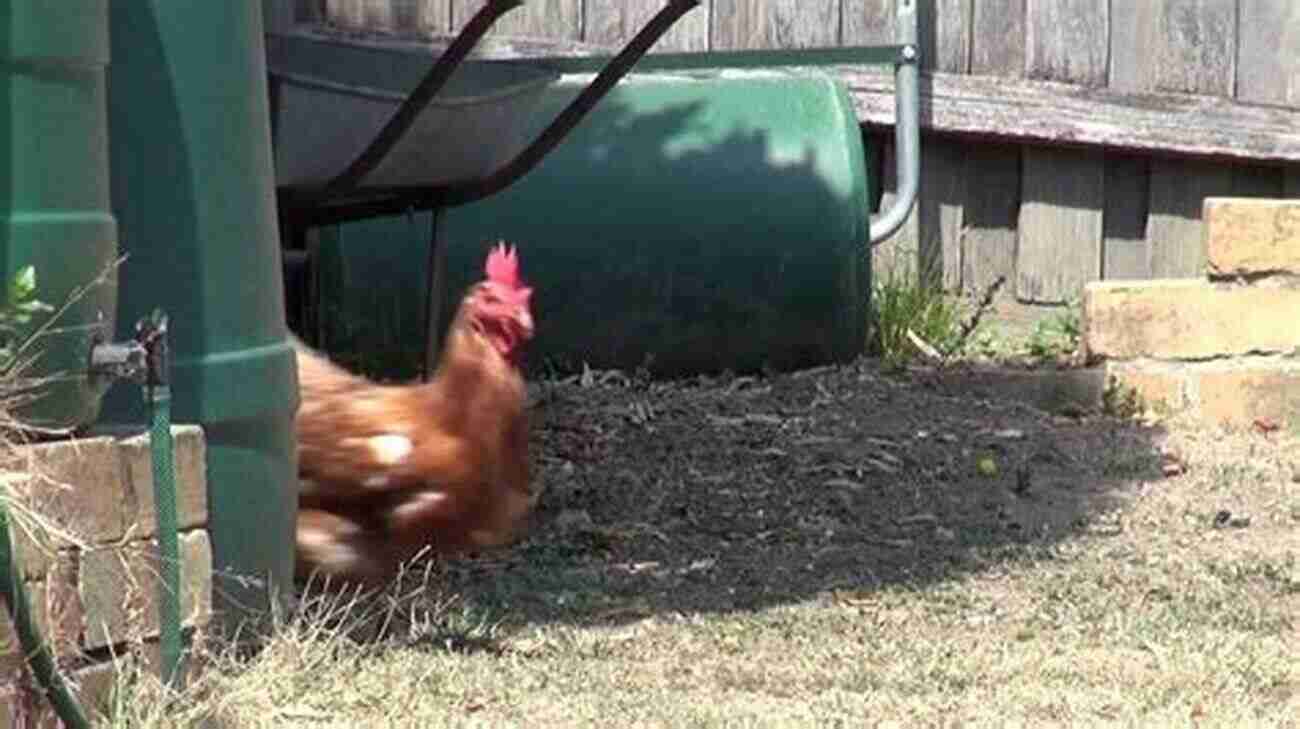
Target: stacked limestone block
94,603
1224,348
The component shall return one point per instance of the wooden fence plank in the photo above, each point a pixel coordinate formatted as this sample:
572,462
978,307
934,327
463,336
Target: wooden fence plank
998,38
990,215
1183,46
347,13
1066,40
381,14
428,16
278,15
943,27
1268,52
775,23
1174,231
944,30
1060,224
1125,253
433,16
867,22
897,255
1132,31
939,211
536,19
928,246
1186,46
1200,47
1257,181
614,23
306,11
1053,113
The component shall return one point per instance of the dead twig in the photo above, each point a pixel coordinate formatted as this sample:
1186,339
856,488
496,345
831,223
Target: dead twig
971,323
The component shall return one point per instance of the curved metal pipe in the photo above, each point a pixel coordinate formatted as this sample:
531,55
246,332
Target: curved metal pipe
907,128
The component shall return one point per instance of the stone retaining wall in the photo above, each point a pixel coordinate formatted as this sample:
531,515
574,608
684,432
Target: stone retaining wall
1224,348
99,602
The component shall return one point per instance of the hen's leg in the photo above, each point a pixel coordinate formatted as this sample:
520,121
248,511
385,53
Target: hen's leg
342,548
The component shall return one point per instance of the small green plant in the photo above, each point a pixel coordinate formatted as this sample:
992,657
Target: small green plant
1120,400
902,302
992,345
906,308
17,310
1057,336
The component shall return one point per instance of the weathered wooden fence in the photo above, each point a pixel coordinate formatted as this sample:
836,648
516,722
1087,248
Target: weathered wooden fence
1066,140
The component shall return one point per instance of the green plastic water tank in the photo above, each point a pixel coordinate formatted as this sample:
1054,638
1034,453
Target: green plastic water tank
691,223
193,195
54,189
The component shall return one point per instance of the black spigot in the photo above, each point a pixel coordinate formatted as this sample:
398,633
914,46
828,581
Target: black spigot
151,336
115,361
144,360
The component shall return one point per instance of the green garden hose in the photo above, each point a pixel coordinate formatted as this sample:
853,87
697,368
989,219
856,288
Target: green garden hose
147,356
34,647
164,494
152,334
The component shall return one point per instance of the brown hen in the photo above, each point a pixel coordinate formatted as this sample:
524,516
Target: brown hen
387,470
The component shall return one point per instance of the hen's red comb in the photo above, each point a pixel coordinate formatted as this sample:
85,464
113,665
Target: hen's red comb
503,265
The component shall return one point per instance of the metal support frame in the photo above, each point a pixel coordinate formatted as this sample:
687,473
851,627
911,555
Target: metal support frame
429,86
339,200
300,209
433,293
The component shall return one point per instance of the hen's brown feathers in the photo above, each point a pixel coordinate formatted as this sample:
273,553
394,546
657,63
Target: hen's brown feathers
351,549
390,469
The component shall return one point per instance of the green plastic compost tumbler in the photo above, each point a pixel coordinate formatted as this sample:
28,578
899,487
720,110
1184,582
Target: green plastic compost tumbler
693,222
56,216
192,191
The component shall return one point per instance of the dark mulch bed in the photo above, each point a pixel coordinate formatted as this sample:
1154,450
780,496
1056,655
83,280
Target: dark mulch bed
727,493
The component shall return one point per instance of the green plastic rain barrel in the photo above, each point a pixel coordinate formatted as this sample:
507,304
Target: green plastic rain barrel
192,191
691,223
54,189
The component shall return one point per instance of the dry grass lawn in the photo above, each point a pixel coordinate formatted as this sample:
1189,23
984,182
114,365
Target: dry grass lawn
823,550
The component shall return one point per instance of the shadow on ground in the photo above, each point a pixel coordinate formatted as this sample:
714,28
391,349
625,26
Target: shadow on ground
723,494
730,494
